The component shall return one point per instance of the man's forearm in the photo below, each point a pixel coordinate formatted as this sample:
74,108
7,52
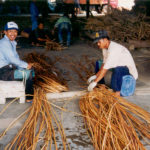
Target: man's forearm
42,40
100,74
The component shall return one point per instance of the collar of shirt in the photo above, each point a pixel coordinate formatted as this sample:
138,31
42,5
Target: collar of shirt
14,43
110,43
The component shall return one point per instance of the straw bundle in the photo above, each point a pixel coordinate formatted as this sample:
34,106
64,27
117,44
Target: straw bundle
40,128
51,45
122,26
40,61
114,123
46,75
50,85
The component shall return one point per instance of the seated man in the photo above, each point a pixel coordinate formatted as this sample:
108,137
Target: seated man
117,57
10,62
38,36
63,24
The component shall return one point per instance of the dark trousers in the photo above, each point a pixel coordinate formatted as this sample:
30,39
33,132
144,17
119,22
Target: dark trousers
117,75
7,74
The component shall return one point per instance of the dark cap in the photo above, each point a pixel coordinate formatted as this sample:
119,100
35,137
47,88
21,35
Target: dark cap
100,35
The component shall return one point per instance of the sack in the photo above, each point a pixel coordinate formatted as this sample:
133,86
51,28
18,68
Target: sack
23,73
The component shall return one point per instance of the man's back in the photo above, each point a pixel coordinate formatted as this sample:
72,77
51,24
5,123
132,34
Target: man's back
62,20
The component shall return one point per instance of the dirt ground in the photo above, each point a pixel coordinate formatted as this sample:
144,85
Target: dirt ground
73,124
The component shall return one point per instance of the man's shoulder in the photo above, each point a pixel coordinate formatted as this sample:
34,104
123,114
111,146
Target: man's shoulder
117,45
3,41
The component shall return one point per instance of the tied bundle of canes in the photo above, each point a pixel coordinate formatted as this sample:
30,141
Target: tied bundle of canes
113,122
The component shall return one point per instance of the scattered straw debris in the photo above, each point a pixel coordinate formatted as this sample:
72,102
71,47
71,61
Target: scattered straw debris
51,45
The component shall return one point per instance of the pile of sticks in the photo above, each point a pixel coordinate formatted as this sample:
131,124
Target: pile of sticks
122,26
52,45
114,123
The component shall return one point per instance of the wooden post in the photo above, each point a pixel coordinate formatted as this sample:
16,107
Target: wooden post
108,9
87,9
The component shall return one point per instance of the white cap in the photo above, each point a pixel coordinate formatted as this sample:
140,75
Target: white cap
11,25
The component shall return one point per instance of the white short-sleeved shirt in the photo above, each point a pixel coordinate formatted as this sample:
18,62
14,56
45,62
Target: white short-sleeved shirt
117,55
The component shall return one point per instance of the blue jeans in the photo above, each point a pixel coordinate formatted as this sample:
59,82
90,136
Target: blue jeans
77,3
116,80
34,23
67,27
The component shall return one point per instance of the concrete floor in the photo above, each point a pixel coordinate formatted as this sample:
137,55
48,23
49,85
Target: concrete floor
72,123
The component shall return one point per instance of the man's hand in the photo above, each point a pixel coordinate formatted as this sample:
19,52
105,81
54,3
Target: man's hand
91,79
92,86
29,65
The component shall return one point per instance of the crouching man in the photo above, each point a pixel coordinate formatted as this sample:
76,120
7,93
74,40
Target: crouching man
63,24
119,58
11,67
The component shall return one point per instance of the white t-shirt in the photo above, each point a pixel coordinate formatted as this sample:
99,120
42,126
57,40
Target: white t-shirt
117,55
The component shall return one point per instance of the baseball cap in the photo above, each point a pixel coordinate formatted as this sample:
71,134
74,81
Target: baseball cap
100,35
11,25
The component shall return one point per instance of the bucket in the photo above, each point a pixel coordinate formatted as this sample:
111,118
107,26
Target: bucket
128,85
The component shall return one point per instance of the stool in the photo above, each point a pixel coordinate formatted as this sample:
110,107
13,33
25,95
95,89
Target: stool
12,89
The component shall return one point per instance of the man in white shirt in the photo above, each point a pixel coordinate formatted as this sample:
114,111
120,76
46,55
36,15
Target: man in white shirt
115,56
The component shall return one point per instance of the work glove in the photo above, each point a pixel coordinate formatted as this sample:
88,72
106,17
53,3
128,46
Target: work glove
91,86
54,73
91,79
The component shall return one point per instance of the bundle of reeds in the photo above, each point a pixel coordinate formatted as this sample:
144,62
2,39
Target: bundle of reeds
52,45
40,128
113,122
51,85
46,75
122,26
40,61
